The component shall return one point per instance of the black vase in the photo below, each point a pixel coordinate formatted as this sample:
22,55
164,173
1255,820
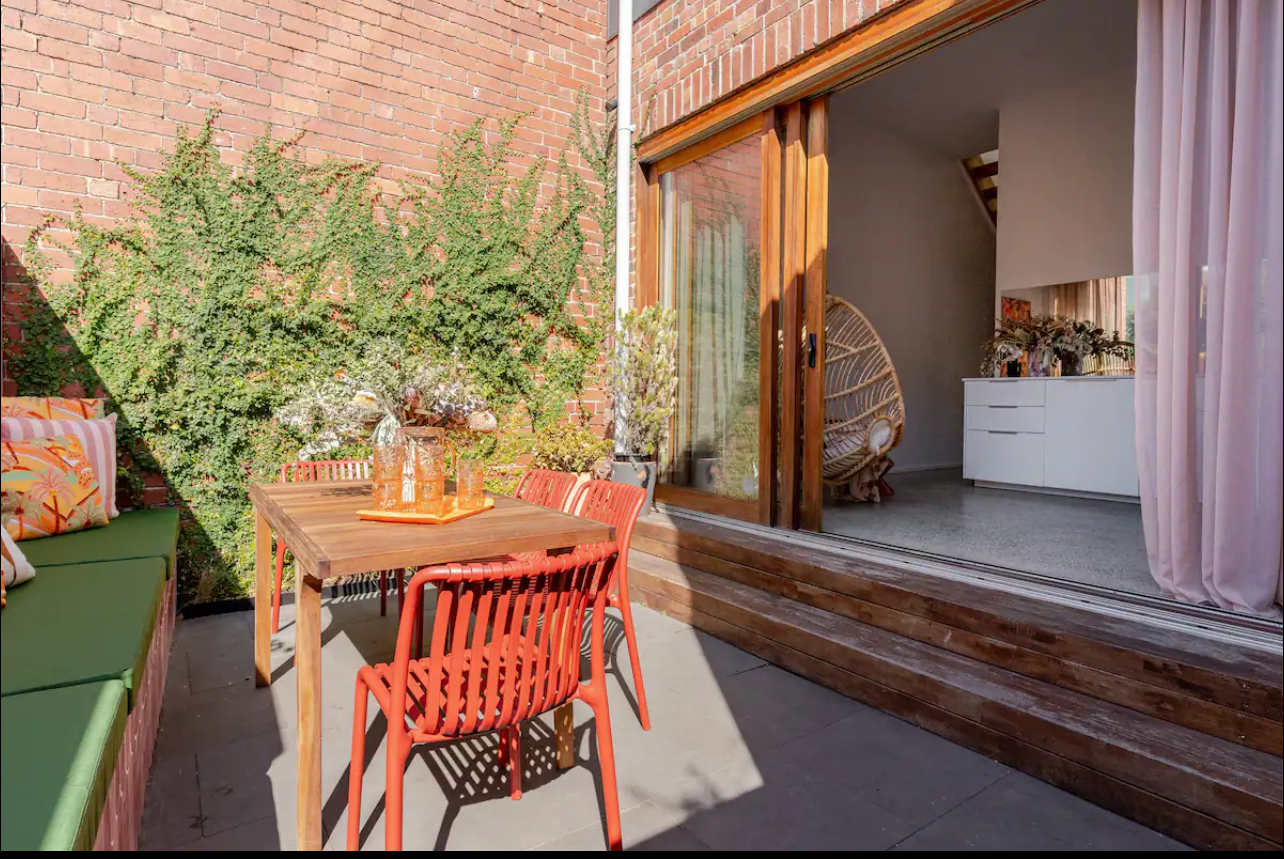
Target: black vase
1071,364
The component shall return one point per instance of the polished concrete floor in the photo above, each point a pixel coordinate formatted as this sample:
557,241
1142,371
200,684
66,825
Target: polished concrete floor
1076,539
741,755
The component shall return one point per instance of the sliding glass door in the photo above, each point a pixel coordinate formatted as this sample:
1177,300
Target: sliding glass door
710,273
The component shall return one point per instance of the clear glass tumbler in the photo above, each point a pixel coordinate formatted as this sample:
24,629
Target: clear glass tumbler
387,472
470,483
430,479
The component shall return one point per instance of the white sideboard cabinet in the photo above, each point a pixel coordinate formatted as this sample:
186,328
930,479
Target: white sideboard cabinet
1068,435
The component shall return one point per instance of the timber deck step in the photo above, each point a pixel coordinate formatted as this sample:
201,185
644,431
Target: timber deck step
1230,691
1202,789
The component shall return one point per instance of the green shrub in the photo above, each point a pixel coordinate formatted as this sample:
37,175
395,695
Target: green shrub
231,290
568,447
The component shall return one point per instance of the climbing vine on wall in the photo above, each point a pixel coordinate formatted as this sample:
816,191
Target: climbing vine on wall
228,289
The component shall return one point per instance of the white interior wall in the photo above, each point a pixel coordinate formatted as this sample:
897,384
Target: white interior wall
1065,180
910,247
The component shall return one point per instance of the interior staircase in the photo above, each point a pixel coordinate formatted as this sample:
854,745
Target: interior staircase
983,170
1176,731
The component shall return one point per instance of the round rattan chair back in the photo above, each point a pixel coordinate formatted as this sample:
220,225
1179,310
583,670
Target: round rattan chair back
864,410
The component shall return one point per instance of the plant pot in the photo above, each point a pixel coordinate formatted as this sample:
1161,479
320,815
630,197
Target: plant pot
1071,364
637,471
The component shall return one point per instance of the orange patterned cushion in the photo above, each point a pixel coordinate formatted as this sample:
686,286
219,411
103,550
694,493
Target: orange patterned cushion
52,408
49,487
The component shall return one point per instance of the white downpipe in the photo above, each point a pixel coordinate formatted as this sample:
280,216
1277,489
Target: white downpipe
623,175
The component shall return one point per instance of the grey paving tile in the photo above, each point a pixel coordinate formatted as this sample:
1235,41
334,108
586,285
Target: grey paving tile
236,787
255,836
767,805
691,658
906,770
172,811
1023,813
642,827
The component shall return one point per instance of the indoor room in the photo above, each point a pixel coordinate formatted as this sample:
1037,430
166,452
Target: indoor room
988,184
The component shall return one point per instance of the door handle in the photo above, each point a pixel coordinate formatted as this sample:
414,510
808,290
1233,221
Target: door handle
1002,432
811,349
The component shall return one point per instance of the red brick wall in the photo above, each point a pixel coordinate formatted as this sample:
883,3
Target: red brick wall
689,53
89,83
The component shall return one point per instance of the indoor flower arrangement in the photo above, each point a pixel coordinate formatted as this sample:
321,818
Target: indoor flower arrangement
384,390
1084,339
1046,339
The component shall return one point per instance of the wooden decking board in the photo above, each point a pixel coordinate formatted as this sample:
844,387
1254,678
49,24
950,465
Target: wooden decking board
1239,678
1226,781
1210,718
1197,829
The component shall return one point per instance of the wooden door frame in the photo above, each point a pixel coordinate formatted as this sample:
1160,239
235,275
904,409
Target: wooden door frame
789,109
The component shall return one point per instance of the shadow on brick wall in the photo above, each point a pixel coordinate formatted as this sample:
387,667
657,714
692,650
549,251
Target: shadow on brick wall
31,326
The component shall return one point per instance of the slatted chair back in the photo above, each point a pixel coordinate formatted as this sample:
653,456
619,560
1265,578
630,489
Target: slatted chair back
616,504
524,661
545,487
326,470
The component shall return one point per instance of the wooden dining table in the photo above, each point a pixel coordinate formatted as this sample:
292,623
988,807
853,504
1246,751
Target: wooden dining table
318,522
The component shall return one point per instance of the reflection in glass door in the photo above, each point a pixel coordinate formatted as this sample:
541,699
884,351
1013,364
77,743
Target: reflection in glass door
709,274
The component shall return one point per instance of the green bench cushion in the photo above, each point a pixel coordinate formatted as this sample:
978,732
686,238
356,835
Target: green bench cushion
134,534
59,750
81,623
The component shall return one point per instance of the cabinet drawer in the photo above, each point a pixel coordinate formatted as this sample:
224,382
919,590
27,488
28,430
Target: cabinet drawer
1003,457
1003,392
1008,418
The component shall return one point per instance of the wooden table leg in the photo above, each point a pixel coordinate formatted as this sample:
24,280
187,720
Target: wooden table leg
307,667
564,727
263,574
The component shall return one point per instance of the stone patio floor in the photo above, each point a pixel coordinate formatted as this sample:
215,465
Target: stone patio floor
741,755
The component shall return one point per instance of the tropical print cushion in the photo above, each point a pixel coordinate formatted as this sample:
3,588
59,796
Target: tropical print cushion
48,487
97,437
53,408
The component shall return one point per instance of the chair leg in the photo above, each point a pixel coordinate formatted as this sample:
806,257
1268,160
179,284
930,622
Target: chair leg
276,592
514,742
626,611
606,760
393,788
357,766
383,593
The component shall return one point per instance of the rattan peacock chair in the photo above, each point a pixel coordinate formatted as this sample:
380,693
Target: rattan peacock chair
864,409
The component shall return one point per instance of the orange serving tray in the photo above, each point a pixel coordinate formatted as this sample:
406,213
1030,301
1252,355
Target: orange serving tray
452,514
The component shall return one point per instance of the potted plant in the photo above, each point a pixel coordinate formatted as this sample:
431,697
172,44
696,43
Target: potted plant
574,448
1039,338
645,385
1084,339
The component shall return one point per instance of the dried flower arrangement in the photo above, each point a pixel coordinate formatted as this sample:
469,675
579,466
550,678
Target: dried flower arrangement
384,389
1045,339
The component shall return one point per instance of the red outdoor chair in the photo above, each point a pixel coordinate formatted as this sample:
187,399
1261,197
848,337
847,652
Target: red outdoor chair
545,488
321,471
489,677
618,505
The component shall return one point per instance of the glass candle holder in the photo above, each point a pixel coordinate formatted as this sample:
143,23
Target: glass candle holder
387,476
470,484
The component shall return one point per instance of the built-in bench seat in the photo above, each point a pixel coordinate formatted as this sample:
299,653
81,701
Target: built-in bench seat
59,751
84,650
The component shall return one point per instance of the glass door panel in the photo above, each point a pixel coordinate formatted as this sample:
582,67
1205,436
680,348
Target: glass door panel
709,274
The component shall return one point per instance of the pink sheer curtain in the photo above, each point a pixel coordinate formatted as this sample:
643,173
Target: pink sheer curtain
1207,247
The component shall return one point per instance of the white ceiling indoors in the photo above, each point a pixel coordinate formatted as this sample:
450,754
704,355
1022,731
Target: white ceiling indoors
948,99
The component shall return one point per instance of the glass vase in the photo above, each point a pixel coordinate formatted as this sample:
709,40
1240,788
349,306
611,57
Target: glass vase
425,452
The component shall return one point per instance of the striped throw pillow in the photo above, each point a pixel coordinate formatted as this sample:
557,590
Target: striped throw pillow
53,408
97,437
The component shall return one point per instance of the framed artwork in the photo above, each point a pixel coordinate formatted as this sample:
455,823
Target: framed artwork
1015,308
